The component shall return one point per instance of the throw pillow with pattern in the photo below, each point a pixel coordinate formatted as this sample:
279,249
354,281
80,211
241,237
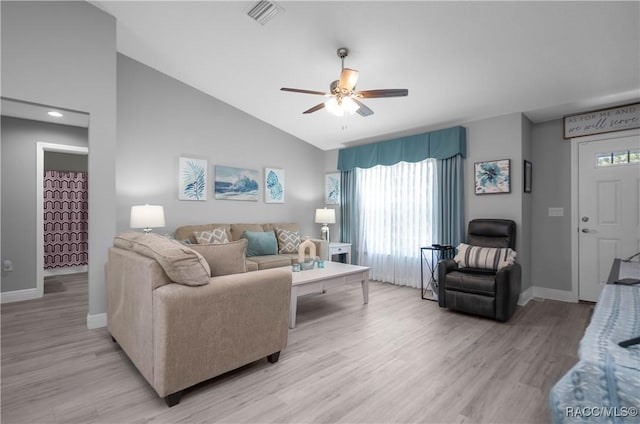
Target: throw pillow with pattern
288,241
493,258
215,236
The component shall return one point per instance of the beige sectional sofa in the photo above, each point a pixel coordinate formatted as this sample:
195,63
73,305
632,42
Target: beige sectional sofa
235,233
178,325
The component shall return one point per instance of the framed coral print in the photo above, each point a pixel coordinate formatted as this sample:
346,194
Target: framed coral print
273,185
192,179
493,176
528,169
332,188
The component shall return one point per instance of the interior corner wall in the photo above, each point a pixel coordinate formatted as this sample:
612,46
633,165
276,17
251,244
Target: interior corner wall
494,139
63,54
331,165
161,119
551,188
525,254
19,139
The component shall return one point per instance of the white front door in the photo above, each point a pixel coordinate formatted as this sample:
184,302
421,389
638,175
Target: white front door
608,208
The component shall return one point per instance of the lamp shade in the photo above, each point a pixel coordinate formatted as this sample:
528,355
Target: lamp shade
147,216
325,216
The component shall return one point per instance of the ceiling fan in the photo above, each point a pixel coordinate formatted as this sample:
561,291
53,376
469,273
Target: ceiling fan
342,94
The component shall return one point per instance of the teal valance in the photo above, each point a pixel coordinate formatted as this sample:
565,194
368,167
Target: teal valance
440,144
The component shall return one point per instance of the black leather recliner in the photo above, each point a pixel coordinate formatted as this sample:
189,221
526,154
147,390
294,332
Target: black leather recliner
480,291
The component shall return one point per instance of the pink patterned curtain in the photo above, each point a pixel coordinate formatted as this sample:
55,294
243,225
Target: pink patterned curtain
65,219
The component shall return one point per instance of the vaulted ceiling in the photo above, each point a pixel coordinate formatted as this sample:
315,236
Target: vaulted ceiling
460,61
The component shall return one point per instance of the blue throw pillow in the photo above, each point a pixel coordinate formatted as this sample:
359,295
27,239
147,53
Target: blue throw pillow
261,243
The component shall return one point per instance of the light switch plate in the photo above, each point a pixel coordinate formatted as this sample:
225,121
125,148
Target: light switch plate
556,211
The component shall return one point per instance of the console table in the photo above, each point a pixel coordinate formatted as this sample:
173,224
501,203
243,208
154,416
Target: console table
438,252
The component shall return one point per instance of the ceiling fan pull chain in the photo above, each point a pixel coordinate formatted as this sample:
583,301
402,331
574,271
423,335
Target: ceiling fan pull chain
344,126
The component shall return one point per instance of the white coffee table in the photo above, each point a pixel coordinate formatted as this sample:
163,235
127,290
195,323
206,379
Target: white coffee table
319,279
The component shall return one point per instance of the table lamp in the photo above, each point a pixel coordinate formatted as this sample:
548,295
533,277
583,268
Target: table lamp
147,217
325,216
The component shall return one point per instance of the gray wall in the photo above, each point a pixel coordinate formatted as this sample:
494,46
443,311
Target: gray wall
544,242
502,137
331,165
161,119
63,54
19,138
551,238
56,161
526,254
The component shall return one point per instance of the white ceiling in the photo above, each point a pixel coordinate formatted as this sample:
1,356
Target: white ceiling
460,61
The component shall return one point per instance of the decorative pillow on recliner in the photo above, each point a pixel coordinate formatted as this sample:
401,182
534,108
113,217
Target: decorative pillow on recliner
288,241
493,258
215,236
261,243
224,258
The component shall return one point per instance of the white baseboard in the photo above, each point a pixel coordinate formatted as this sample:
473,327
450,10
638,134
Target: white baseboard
19,295
65,271
96,321
555,294
525,296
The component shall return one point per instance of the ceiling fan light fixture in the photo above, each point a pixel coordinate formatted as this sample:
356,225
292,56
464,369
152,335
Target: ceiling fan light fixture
333,107
349,105
338,108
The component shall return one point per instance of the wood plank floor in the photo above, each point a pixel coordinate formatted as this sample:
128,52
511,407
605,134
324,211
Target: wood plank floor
398,359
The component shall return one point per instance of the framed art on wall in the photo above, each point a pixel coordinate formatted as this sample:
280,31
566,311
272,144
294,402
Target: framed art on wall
273,185
492,177
528,169
332,188
236,183
192,179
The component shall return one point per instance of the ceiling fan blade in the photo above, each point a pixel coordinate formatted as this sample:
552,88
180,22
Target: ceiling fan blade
315,108
372,94
298,90
348,79
363,111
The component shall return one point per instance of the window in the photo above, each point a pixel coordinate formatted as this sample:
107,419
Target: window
617,158
395,208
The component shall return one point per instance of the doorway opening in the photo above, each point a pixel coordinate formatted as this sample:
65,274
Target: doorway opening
42,149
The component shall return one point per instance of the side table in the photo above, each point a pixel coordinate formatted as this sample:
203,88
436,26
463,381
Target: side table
340,249
438,252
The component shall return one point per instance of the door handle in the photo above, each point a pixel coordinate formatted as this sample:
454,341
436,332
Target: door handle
586,230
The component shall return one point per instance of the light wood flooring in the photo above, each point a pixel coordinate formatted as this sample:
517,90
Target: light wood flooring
398,359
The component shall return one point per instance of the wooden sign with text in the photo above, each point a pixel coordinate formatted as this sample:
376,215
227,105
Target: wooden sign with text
602,121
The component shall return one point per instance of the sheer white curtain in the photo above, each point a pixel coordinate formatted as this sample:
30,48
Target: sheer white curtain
395,219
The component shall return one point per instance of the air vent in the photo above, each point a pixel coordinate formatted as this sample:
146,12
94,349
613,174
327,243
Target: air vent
263,11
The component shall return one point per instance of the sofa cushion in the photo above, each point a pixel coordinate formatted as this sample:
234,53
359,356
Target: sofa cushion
288,241
251,266
285,226
261,243
181,264
237,230
484,257
216,236
185,232
224,259
272,261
